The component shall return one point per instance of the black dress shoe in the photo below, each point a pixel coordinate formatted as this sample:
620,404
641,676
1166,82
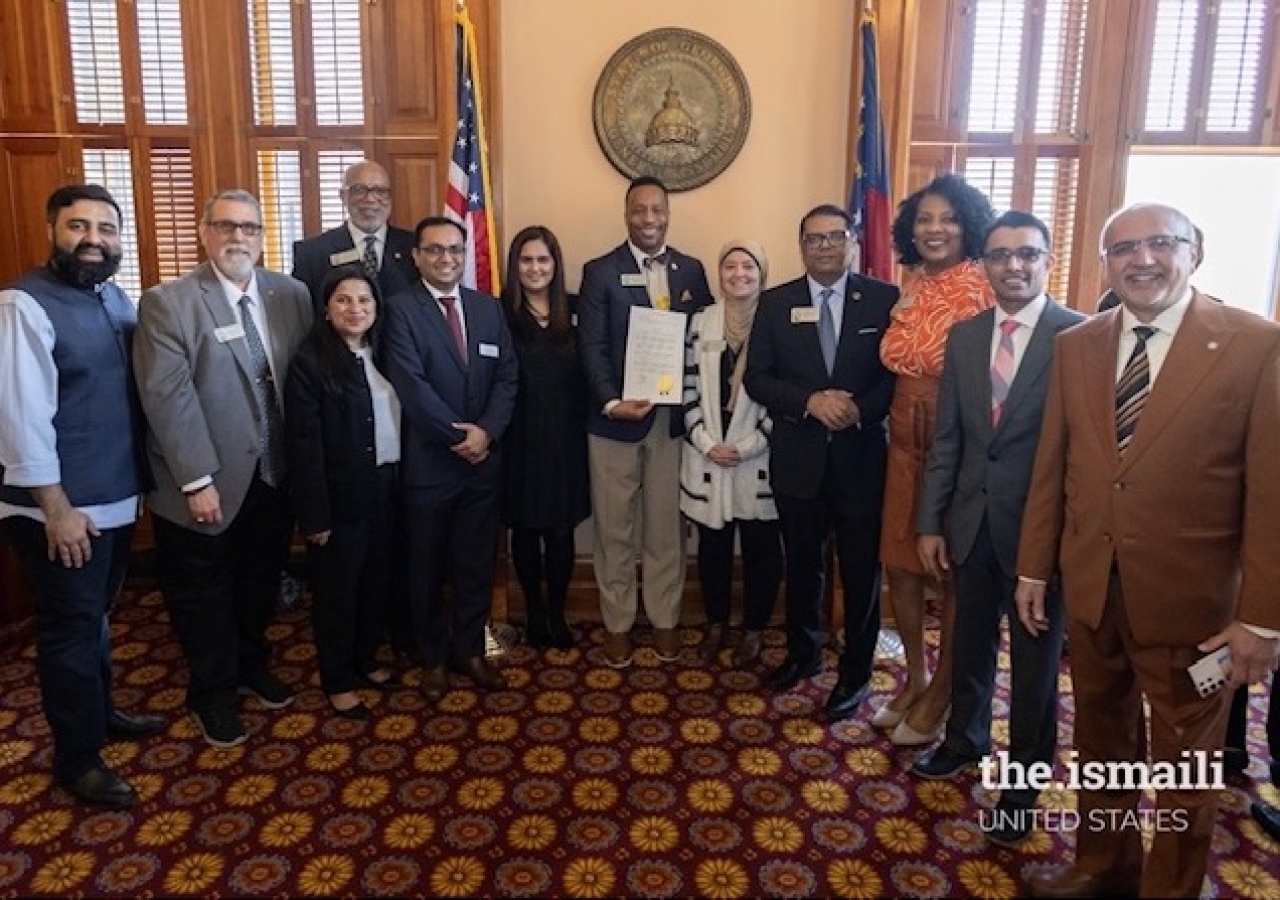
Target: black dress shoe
1009,824
124,726
789,674
941,764
102,787
358,713
435,683
560,635
1267,817
391,683
484,674
845,699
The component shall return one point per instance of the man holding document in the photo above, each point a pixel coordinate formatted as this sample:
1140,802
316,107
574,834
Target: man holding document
634,441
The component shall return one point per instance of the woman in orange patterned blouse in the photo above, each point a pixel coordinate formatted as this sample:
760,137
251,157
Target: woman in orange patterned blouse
938,233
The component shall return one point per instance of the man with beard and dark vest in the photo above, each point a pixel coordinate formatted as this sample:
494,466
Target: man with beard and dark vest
71,474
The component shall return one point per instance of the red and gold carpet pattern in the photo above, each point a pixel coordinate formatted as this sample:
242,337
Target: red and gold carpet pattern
660,780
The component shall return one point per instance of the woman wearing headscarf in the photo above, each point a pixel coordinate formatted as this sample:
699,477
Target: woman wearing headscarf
724,470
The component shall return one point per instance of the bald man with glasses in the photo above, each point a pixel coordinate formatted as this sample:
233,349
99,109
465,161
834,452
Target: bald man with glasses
366,237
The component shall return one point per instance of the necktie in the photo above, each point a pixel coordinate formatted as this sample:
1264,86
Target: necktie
827,329
371,254
659,259
1132,388
1002,369
271,463
449,305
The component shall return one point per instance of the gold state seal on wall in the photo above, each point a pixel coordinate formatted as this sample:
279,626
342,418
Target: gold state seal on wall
672,103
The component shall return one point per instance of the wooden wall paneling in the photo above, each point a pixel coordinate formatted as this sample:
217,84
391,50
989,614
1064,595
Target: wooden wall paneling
1108,121
35,70
32,169
1271,106
416,178
897,44
927,163
220,106
939,77
408,59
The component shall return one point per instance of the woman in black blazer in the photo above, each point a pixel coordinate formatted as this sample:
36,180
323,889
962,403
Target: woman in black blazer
342,421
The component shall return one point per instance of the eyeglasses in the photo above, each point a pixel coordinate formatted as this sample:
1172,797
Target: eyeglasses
1158,244
1001,256
824,239
438,250
226,227
376,191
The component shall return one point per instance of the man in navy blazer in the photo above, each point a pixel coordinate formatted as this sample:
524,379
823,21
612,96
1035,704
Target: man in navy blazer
366,196
450,357
970,512
634,447
828,449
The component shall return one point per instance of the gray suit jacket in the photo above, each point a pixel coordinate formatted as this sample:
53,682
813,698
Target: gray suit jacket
975,470
195,382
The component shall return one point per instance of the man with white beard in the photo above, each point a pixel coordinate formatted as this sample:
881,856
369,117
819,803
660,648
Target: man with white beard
211,349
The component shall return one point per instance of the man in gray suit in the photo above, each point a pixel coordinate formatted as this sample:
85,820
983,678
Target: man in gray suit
991,400
211,348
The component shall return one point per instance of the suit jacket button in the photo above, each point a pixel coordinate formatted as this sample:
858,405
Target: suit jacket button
1119,485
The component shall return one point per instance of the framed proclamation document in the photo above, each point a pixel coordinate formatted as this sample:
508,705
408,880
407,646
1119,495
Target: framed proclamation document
654,366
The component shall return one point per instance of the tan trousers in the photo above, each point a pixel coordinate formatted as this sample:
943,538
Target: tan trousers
635,493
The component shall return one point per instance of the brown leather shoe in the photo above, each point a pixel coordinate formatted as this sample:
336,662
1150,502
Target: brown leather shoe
1063,882
483,673
748,649
666,644
617,649
435,683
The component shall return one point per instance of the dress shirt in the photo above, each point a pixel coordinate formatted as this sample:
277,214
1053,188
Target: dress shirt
28,403
1028,317
641,256
1165,325
234,293
456,294
386,410
379,246
836,301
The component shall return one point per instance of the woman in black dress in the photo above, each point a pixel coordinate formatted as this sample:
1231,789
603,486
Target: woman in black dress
545,494
342,426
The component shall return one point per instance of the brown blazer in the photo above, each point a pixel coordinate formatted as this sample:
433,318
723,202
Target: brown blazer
1191,515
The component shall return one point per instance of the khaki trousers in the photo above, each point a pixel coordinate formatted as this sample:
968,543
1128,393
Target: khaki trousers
635,500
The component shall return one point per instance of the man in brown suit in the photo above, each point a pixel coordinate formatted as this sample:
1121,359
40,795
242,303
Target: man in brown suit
1165,535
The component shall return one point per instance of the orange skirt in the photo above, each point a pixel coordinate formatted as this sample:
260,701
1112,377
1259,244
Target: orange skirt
911,424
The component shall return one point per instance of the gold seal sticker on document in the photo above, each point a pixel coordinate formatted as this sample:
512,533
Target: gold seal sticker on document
665,385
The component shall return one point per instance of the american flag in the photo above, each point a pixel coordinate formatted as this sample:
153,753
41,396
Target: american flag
869,200
467,199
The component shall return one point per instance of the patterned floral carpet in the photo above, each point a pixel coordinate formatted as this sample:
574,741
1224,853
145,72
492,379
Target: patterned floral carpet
661,780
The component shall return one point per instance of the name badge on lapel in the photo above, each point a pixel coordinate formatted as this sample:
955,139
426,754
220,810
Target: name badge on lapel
631,279
804,315
489,350
228,333
346,256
